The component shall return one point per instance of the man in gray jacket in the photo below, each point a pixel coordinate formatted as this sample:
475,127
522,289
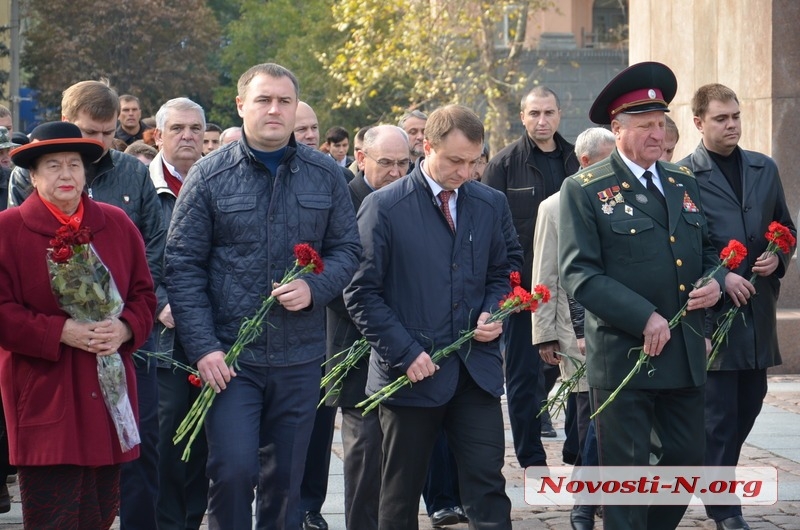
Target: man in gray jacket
239,215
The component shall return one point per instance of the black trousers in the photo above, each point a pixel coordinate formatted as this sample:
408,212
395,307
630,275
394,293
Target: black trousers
522,364
473,421
441,486
623,439
361,444
733,402
314,487
183,491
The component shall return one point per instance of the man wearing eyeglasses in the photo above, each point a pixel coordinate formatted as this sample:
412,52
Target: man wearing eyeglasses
385,157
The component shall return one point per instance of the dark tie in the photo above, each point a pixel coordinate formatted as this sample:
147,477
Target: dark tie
444,198
652,188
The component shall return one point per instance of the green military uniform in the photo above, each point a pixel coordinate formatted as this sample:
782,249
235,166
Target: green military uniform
623,258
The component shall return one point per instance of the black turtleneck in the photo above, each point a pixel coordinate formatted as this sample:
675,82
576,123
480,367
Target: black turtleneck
731,167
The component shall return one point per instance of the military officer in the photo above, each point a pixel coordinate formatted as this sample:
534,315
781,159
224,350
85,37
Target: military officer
633,244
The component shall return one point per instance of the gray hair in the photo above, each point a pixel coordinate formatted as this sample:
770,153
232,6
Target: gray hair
373,134
590,142
179,104
412,114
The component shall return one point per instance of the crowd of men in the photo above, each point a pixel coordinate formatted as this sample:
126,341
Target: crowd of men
418,233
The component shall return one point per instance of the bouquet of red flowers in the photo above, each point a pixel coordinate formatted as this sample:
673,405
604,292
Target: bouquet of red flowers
730,257
780,239
517,300
86,291
306,260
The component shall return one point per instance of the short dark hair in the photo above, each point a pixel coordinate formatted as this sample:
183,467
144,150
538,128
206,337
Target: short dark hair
336,134
708,93
213,127
269,69
140,148
442,121
540,91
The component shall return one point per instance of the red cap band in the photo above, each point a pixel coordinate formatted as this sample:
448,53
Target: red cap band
643,96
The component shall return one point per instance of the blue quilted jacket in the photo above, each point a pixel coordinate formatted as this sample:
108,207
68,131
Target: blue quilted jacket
232,235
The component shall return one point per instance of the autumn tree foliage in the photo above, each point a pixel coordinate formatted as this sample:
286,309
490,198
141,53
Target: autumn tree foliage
426,53
154,49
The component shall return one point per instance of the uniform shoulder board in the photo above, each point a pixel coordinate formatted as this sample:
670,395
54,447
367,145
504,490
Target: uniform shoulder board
594,173
677,169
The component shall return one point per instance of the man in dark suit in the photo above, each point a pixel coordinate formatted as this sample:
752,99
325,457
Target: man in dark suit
742,194
385,157
633,243
527,172
438,251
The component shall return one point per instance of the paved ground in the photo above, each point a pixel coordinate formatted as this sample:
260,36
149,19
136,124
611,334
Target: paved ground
773,442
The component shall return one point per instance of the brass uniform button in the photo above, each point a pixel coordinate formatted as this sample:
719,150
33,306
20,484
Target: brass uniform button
682,287
671,239
678,262
633,230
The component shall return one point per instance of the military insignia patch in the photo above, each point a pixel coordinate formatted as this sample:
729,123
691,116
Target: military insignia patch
685,170
641,198
688,203
628,210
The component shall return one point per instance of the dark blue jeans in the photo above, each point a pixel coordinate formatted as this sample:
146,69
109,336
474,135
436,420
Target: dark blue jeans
258,431
139,478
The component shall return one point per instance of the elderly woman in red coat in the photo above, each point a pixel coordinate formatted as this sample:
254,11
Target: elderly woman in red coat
61,435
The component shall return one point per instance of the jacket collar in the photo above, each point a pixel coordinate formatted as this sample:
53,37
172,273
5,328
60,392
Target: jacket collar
288,159
156,170
38,218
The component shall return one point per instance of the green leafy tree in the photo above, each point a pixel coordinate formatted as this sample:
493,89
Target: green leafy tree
426,53
296,35
154,49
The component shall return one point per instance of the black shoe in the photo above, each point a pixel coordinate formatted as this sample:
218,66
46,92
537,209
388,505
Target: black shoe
736,522
5,499
549,432
445,517
462,516
582,517
314,521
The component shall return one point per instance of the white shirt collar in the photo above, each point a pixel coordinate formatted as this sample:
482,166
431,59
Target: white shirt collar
174,172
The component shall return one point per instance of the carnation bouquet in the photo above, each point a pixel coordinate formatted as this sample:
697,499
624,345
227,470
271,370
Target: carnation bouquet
86,291
517,300
730,257
780,239
306,260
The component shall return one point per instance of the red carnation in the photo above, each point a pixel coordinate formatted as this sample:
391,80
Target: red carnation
61,254
195,380
543,293
781,236
733,254
516,279
83,236
306,255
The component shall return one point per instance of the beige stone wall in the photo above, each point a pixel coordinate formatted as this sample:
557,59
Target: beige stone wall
752,46
708,41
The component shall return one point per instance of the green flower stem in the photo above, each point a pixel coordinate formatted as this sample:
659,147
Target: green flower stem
249,331
146,355
336,376
641,361
559,400
386,392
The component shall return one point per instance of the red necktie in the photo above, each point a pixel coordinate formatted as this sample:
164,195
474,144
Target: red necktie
444,198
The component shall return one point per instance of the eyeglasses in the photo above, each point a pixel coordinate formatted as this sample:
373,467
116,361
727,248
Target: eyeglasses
387,163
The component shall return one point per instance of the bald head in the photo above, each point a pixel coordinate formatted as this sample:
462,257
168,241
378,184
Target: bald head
306,126
384,155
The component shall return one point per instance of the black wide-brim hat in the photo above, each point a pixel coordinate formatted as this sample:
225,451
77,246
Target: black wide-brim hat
642,87
56,137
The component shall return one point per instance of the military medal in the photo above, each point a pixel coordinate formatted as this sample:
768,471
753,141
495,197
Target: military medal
610,197
688,203
628,210
640,198
671,180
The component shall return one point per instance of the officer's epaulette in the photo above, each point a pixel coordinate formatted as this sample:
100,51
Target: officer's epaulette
594,173
669,166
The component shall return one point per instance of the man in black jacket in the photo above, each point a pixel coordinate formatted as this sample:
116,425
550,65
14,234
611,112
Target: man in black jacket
528,171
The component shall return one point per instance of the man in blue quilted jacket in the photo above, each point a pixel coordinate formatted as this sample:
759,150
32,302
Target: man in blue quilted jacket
241,211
